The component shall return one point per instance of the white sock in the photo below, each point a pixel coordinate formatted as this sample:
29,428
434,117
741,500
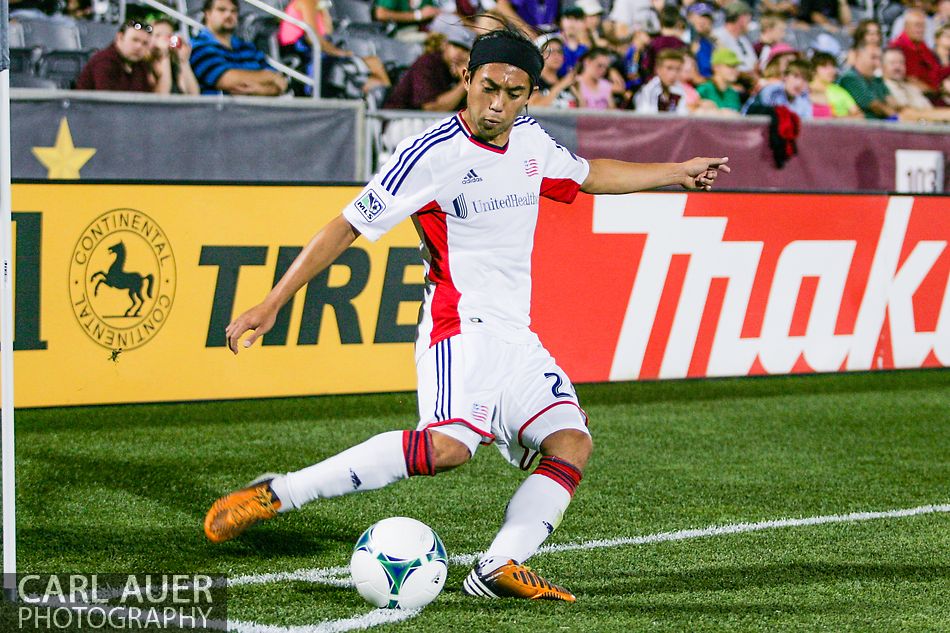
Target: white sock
377,462
534,511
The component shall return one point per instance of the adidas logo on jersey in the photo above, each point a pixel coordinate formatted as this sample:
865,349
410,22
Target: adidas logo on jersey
471,177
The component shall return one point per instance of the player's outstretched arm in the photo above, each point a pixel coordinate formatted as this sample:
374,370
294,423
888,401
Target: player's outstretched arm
316,256
617,176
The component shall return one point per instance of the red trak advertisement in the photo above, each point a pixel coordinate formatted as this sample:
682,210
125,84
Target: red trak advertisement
675,285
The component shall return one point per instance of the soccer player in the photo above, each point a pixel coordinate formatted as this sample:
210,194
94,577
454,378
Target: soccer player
471,185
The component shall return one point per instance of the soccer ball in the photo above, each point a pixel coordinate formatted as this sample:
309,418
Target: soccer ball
399,563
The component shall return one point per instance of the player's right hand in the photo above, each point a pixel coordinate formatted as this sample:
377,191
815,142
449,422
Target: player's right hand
260,319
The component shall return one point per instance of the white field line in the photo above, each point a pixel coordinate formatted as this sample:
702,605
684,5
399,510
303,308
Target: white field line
340,576
375,617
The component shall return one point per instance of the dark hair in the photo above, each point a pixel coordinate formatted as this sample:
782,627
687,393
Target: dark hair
670,17
591,54
164,20
669,53
210,3
551,40
800,66
861,31
823,59
515,36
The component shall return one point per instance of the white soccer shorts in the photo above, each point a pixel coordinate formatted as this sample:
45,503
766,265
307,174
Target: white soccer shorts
512,395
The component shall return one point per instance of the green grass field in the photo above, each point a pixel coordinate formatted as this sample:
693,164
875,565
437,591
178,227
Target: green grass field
125,489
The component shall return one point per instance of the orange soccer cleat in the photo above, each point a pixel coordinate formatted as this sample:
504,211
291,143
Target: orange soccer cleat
512,580
233,513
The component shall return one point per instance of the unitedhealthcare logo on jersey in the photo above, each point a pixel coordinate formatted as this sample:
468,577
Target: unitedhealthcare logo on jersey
511,201
370,205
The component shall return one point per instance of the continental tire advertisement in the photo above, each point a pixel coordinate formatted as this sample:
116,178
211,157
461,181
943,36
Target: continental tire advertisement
123,292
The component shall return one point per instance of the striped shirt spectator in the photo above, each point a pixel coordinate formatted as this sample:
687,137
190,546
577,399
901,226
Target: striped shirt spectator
224,62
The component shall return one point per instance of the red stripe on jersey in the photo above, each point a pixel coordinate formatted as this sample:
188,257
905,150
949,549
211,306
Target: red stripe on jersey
445,302
560,189
471,136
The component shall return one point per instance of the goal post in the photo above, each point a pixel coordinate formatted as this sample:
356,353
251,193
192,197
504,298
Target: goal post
6,314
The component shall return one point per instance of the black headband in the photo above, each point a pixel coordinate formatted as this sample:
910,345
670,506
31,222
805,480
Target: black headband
503,50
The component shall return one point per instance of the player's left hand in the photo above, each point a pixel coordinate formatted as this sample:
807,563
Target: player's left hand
701,173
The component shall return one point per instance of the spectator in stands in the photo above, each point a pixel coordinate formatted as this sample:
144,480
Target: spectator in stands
923,68
407,15
701,42
223,62
296,46
772,28
593,22
792,92
942,51
554,91
732,35
541,17
908,96
630,16
827,98
831,15
664,93
124,64
780,56
941,18
867,89
718,91
866,32
672,32
785,9
689,79
596,91
78,9
434,81
574,35
169,56
930,25
906,93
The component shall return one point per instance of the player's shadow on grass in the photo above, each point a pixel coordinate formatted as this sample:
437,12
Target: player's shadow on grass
737,578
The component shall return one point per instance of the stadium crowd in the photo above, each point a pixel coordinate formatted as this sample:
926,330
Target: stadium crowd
817,58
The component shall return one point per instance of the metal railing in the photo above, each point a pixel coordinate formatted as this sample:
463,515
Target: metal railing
313,80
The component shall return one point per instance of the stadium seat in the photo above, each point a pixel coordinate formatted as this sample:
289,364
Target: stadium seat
94,36
395,54
15,37
352,12
261,30
23,60
19,80
51,35
62,67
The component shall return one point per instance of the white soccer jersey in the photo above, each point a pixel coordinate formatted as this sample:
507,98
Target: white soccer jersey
475,207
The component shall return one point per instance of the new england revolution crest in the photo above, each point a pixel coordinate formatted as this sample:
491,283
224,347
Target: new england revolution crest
122,279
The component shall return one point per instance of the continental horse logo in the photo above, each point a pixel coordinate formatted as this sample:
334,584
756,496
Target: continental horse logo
117,277
122,279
